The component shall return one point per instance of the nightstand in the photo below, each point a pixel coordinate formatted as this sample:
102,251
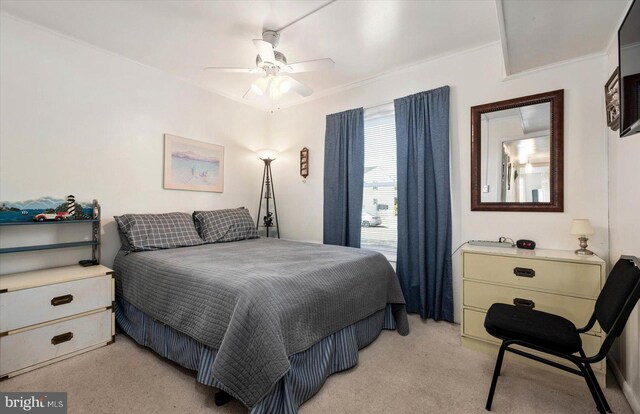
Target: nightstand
53,314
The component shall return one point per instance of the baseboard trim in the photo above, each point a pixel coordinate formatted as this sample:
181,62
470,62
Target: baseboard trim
624,385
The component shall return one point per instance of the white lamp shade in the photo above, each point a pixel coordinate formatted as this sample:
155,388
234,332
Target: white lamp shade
267,154
260,86
581,227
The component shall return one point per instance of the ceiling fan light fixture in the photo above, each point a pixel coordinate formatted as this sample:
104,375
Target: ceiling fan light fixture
273,64
285,86
528,169
260,85
256,89
523,157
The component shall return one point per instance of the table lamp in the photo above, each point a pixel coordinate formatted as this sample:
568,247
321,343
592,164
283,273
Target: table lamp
582,228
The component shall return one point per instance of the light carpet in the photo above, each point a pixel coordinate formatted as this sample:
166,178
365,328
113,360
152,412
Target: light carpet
427,371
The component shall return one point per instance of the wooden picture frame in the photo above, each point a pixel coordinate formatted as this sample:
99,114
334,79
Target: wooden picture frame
612,100
556,101
193,165
304,162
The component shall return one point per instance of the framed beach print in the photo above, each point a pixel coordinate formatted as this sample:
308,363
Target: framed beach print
193,165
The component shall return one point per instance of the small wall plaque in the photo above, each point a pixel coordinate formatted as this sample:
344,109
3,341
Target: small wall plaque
612,100
304,162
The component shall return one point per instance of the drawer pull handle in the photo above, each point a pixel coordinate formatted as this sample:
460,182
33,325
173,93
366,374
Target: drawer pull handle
61,300
524,303
524,272
58,339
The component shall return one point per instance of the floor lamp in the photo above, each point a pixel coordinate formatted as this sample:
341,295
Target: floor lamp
267,192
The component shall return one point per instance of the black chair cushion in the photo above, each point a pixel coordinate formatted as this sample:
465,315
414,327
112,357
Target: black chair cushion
539,328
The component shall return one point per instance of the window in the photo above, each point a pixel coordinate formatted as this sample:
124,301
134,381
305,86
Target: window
379,221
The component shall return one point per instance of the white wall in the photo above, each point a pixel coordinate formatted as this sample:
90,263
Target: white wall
475,77
624,234
79,120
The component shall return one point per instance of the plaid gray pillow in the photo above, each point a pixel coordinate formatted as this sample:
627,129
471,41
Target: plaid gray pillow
225,225
158,231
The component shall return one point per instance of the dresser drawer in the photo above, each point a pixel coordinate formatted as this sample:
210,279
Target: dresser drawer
474,327
27,307
32,346
483,295
580,279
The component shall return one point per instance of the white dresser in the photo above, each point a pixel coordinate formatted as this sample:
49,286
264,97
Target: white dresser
553,281
52,314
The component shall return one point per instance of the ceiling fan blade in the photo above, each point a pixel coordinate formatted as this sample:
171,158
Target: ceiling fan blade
250,94
233,70
310,65
265,50
298,87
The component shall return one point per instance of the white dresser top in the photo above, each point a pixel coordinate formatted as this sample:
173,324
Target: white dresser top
564,255
26,280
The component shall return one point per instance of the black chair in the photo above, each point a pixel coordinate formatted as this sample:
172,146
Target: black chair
555,335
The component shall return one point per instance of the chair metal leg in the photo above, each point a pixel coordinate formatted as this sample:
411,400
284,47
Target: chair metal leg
596,386
592,389
496,374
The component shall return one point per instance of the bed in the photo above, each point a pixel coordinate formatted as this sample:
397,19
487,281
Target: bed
265,320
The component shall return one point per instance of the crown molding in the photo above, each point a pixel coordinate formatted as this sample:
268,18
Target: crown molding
597,55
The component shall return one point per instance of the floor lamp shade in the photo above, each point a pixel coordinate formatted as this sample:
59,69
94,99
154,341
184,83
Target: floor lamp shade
267,154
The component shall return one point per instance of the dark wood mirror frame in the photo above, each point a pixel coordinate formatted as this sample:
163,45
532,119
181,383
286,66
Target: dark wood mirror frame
556,100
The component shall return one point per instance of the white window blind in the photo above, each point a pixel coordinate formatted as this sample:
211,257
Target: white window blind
379,203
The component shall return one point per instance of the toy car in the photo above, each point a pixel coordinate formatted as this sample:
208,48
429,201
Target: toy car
48,216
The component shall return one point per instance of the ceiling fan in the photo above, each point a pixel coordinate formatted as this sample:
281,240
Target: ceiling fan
273,64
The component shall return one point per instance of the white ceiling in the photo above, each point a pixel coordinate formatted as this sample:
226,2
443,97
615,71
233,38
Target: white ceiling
543,32
364,38
182,37
534,150
536,118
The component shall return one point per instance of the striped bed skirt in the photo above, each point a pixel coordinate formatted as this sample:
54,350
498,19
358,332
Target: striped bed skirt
308,372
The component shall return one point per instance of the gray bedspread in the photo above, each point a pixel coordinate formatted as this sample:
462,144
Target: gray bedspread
259,301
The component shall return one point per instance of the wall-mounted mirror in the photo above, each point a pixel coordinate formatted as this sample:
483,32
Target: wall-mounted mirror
517,154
